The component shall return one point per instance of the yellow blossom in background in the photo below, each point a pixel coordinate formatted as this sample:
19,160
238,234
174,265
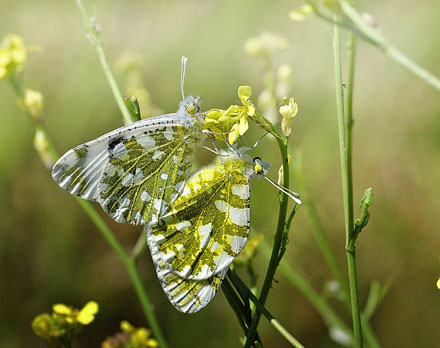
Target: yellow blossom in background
13,54
130,337
33,102
438,284
265,44
301,13
288,111
232,121
59,328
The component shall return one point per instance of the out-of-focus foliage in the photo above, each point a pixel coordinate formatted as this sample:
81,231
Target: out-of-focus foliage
50,252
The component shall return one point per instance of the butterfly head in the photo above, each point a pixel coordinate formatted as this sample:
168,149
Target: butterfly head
190,105
260,167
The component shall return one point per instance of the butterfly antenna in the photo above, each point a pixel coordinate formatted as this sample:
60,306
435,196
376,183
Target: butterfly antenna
182,75
291,194
258,141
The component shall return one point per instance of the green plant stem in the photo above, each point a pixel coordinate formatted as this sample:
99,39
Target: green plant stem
377,39
347,190
331,318
278,239
239,284
94,35
130,264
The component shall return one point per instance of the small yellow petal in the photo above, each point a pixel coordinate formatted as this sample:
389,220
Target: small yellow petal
87,313
61,309
438,284
243,125
126,326
152,343
90,307
251,110
244,93
233,134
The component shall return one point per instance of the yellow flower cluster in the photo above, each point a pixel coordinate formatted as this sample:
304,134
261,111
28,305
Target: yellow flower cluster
130,337
64,322
232,121
13,54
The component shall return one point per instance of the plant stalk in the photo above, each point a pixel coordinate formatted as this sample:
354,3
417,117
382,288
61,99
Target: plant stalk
278,239
347,189
97,42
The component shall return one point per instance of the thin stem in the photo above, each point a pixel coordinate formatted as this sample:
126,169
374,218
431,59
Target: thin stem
239,283
347,190
278,239
139,247
376,38
233,303
331,318
97,42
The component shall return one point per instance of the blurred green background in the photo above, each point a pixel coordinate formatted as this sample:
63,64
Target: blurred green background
50,251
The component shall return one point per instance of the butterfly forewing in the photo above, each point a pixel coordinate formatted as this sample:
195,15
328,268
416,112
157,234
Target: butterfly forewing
134,172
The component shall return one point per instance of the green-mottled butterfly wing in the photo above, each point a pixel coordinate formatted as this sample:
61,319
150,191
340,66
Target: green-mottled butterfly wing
134,172
205,229
187,295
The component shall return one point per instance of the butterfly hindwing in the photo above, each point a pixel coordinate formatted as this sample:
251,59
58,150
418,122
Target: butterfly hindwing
207,225
134,172
187,295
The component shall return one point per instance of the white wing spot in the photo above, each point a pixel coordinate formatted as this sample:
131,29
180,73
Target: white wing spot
241,190
127,180
157,155
145,196
168,135
182,225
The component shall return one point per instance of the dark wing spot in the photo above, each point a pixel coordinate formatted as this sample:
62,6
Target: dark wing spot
114,142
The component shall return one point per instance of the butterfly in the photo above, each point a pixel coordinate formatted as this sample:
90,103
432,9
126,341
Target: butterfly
195,242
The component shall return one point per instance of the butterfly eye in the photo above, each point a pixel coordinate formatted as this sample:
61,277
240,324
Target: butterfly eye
191,109
258,168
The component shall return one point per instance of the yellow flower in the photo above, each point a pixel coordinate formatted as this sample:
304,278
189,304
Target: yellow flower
288,111
438,284
233,120
33,101
265,44
87,314
14,44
